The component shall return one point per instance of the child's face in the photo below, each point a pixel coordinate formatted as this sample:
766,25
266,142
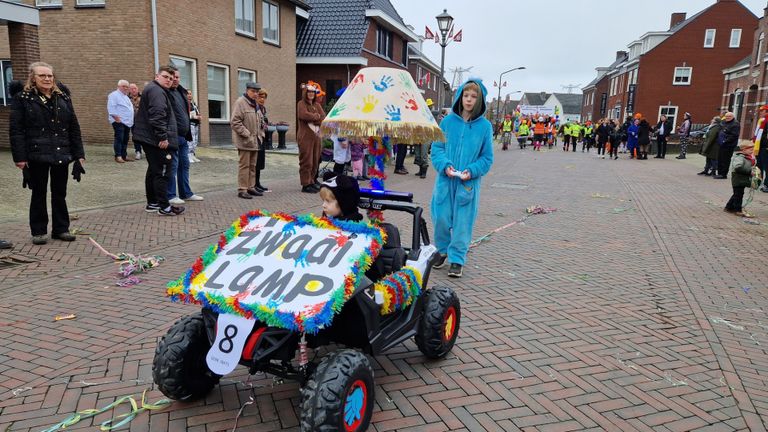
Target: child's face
748,150
468,100
331,207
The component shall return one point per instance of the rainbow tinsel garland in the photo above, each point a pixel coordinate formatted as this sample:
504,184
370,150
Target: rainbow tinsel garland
311,320
379,149
399,289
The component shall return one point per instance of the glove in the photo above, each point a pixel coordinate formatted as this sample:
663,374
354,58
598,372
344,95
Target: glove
26,178
77,170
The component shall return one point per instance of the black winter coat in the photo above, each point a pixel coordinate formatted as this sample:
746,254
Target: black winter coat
667,128
181,111
155,120
603,133
643,133
44,132
729,134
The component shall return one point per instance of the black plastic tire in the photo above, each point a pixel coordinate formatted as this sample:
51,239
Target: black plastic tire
439,326
341,389
179,368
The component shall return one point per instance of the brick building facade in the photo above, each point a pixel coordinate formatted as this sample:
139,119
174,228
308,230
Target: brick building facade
217,45
680,70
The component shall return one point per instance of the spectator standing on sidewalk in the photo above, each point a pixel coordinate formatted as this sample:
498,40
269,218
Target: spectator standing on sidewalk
663,129
741,177
728,139
261,158
247,124
421,152
194,126
45,138
710,148
643,138
180,165
685,133
761,145
155,130
310,114
135,95
120,110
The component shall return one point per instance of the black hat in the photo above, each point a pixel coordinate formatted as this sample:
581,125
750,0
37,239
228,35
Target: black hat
345,189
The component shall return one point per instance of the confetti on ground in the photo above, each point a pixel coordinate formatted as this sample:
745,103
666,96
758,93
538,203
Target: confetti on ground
585,277
599,195
618,210
78,231
537,209
64,317
20,390
129,263
128,281
751,221
673,381
709,202
74,217
717,320
746,289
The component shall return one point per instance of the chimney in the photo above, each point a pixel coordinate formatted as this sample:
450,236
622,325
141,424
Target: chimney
620,54
677,18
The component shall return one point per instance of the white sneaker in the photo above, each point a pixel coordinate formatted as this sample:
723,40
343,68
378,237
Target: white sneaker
137,156
196,159
194,198
176,201
191,158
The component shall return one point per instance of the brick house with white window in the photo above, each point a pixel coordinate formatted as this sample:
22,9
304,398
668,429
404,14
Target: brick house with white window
681,69
595,103
218,46
341,37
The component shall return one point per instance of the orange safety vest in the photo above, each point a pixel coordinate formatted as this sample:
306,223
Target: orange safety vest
540,129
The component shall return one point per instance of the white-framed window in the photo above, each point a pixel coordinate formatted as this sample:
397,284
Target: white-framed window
90,3
670,112
48,3
682,76
218,92
6,76
759,53
709,38
245,17
243,77
187,72
271,21
735,38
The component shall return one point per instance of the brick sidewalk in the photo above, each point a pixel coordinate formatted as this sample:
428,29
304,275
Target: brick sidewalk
637,309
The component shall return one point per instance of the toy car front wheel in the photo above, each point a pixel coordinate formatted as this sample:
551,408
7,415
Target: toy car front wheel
339,395
179,368
439,326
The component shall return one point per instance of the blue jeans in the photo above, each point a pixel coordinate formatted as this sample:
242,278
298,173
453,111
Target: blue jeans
122,133
180,171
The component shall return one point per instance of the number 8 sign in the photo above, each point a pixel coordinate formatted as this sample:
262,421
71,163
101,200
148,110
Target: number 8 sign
231,333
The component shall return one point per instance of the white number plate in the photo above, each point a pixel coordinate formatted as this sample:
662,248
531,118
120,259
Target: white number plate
231,333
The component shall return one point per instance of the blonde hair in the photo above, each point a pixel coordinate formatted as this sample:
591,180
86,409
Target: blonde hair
477,110
263,92
327,194
30,84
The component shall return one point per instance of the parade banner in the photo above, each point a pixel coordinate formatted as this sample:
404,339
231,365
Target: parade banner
603,104
292,272
537,109
631,98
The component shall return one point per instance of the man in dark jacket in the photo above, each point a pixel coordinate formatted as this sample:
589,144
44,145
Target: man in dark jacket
180,165
663,130
156,130
728,138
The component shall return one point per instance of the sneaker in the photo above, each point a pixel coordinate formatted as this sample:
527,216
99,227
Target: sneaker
196,159
192,198
261,188
65,236
440,263
5,244
255,192
152,208
176,201
119,159
191,158
680,157
171,211
137,156
309,189
702,173
40,239
720,177
244,195
455,271
401,171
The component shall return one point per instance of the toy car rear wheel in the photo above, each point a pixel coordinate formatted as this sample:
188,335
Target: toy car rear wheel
439,326
339,395
179,368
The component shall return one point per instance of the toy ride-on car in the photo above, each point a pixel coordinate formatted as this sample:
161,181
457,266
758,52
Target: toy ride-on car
255,313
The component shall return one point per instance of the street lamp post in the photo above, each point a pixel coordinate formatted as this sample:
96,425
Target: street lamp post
444,21
499,82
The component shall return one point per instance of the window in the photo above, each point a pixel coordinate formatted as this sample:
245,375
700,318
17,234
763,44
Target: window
218,92
245,17
90,3
709,38
187,73
682,76
670,112
5,78
48,3
735,38
271,13
405,53
759,47
244,76
384,42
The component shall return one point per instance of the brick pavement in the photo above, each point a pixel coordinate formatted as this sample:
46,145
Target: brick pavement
638,311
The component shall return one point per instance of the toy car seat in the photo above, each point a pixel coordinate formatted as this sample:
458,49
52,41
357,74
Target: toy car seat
392,256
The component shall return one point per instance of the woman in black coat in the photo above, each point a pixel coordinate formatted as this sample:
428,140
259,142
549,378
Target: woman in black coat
45,138
643,138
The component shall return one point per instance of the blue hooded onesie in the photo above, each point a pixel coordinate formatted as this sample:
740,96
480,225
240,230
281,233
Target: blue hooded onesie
468,146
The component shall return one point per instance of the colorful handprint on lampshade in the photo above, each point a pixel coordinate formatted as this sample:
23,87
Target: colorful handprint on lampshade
382,102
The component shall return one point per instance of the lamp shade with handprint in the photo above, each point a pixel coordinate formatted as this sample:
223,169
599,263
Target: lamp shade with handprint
382,102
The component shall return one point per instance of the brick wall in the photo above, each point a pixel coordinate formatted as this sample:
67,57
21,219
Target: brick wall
24,47
703,97
5,47
370,49
428,92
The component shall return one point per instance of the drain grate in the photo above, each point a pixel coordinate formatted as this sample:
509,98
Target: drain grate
510,186
14,260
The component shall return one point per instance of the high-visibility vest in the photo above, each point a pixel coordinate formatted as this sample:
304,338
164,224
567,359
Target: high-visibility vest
524,130
507,126
540,129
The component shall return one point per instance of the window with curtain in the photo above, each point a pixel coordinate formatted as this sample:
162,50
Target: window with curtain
245,17
682,76
271,21
218,92
735,38
48,3
243,77
709,38
187,73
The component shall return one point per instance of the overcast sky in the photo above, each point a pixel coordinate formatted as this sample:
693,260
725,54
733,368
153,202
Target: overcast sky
560,42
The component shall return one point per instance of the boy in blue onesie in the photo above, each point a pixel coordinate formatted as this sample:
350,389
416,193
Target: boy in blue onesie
460,162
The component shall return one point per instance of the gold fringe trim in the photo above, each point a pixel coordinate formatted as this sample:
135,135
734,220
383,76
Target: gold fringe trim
398,132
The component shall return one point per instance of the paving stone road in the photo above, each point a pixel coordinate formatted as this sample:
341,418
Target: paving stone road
638,305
